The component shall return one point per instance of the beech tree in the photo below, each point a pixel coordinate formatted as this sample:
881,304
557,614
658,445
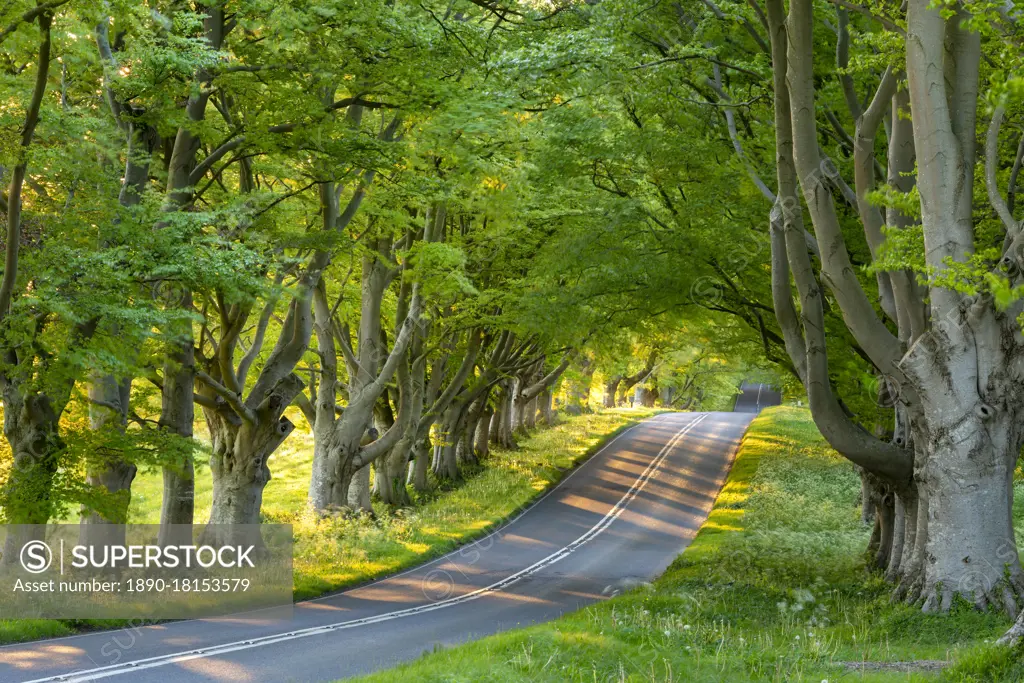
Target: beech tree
950,363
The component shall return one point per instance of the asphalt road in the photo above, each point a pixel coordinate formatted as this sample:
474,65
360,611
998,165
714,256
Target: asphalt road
619,519
754,398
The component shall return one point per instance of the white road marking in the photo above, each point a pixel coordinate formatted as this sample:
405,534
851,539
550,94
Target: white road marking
175,658
330,596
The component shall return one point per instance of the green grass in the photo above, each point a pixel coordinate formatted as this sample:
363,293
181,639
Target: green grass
335,553
772,589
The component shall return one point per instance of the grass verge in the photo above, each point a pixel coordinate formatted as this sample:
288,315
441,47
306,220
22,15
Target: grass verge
773,588
331,554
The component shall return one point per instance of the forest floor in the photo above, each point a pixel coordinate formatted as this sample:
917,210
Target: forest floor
773,588
336,553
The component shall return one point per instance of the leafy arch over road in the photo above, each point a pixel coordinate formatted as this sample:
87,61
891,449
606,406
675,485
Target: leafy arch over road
412,225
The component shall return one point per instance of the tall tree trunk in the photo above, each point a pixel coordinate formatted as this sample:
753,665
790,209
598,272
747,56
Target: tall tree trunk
465,429
391,472
420,465
970,545
115,475
446,464
177,415
333,470
359,490
501,429
241,449
611,387
530,414
481,437
31,428
518,410
868,497
547,410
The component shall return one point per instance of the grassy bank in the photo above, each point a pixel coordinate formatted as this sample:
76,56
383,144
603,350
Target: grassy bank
773,588
335,553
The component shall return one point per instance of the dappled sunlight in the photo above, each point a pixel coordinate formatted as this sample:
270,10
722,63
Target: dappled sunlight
718,524
508,598
584,595
581,637
26,659
418,548
584,503
523,540
222,670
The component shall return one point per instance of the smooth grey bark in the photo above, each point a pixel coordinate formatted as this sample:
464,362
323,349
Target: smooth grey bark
899,537
807,342
446,465
966,423
530,414
958,403
466,427
547,409
481,435
390,473
359,491
501,425
420,465
380,484
867,497
177,415
338,449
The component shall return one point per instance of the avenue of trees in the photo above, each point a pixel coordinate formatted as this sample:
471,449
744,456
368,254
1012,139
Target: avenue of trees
223,217
412,224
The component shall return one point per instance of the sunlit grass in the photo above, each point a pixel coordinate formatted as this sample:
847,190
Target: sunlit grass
772,589
334,553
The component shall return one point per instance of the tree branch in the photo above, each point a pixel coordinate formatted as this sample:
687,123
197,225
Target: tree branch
232,399
18,176
31,15
991,184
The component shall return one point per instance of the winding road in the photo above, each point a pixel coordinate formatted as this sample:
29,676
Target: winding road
617,520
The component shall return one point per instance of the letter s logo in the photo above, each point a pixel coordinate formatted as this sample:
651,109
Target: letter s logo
36,557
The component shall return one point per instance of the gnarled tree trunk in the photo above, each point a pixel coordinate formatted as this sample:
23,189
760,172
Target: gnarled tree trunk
241,449
31,429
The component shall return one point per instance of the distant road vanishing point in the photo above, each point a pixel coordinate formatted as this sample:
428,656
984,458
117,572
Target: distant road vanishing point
616,521
754,398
